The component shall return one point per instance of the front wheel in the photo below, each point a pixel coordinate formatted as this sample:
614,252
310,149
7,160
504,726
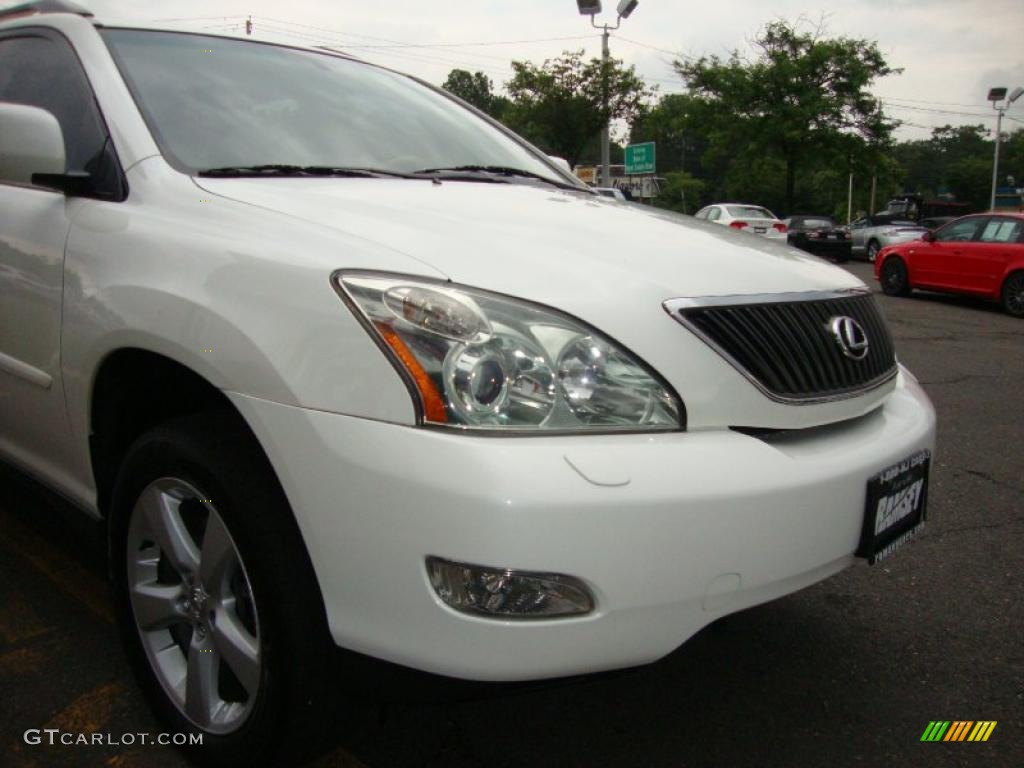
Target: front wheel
219,609
893,277
1013,294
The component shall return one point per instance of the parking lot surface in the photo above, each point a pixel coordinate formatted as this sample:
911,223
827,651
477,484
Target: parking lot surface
847,673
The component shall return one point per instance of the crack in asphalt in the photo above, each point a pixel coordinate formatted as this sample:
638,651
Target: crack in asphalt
981,526
965,377
993,480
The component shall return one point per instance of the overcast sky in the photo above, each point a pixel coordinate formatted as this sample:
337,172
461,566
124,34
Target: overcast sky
952,51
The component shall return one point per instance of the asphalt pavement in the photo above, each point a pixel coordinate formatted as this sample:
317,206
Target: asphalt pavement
846,673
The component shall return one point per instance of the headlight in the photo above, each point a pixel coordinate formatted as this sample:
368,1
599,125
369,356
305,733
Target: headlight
483,361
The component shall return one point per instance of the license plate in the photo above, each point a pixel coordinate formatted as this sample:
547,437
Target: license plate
760,230
833,237
896,507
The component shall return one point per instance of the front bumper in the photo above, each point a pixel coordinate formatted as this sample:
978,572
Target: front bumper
669,531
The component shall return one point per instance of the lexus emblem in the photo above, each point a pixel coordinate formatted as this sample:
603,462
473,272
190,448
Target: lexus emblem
850,336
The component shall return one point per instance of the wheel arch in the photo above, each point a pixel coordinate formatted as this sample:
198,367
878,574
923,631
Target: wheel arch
133,390
1014,270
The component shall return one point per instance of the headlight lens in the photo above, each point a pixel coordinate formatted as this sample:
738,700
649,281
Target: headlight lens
484,361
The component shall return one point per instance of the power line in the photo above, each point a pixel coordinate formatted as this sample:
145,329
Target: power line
340,43
406,44
936,103
338,39
938,111
203,18
471,45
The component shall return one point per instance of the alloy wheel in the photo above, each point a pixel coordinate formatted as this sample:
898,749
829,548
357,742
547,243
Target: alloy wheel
193,607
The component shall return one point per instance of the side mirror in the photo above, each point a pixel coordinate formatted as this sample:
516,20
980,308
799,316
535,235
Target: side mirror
562,163
31,143
928,237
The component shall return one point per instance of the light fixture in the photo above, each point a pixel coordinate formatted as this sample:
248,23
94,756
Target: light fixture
502,593
996,94
1016,94
626,7
589,7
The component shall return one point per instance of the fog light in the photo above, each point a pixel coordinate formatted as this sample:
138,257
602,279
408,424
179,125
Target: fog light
504,593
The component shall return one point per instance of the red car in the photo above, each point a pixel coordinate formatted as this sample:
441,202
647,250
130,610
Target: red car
982,255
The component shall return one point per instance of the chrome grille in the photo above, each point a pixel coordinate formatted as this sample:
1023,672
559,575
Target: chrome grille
784,343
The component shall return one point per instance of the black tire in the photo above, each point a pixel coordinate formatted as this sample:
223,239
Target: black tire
1013,294
894,278
872,251
217,456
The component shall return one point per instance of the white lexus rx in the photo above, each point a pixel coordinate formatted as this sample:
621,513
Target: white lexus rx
342,362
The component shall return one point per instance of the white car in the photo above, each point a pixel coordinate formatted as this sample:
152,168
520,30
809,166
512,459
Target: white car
752,219
341,362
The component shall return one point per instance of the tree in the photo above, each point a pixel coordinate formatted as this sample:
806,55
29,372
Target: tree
478,89
956,161
802,96
560,105
681,192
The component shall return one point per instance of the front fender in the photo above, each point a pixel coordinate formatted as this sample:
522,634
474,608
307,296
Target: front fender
241,296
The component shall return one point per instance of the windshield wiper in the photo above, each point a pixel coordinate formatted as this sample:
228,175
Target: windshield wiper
491,173
256,171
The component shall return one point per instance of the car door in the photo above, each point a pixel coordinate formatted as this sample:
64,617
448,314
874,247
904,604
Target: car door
943,262
988,257
39,69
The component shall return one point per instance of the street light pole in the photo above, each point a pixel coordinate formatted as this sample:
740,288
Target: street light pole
591,8
995,160
606,141
996,95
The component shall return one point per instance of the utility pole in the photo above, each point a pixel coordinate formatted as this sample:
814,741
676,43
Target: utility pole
248,26
591,8
849,201
874,186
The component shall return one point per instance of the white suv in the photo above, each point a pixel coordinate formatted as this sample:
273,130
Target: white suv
342,362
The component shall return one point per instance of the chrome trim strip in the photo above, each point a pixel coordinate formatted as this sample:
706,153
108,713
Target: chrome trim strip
676,309
25,371
744,299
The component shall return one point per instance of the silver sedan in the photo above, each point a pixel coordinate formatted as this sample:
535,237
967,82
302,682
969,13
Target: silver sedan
871,234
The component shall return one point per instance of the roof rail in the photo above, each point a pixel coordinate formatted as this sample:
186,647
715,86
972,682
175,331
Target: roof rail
44,6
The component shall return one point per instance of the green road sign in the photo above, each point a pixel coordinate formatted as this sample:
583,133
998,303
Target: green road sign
640,158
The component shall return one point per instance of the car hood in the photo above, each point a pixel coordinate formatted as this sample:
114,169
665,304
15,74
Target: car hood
611,264
526,240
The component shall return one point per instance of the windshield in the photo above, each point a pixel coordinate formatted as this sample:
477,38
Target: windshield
748,212
213,102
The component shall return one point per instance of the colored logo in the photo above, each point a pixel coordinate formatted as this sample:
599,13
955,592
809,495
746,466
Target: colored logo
958,730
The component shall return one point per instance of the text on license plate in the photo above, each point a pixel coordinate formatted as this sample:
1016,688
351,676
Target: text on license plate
895,508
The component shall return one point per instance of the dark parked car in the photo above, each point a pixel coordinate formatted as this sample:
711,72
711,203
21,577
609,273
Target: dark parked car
819,235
